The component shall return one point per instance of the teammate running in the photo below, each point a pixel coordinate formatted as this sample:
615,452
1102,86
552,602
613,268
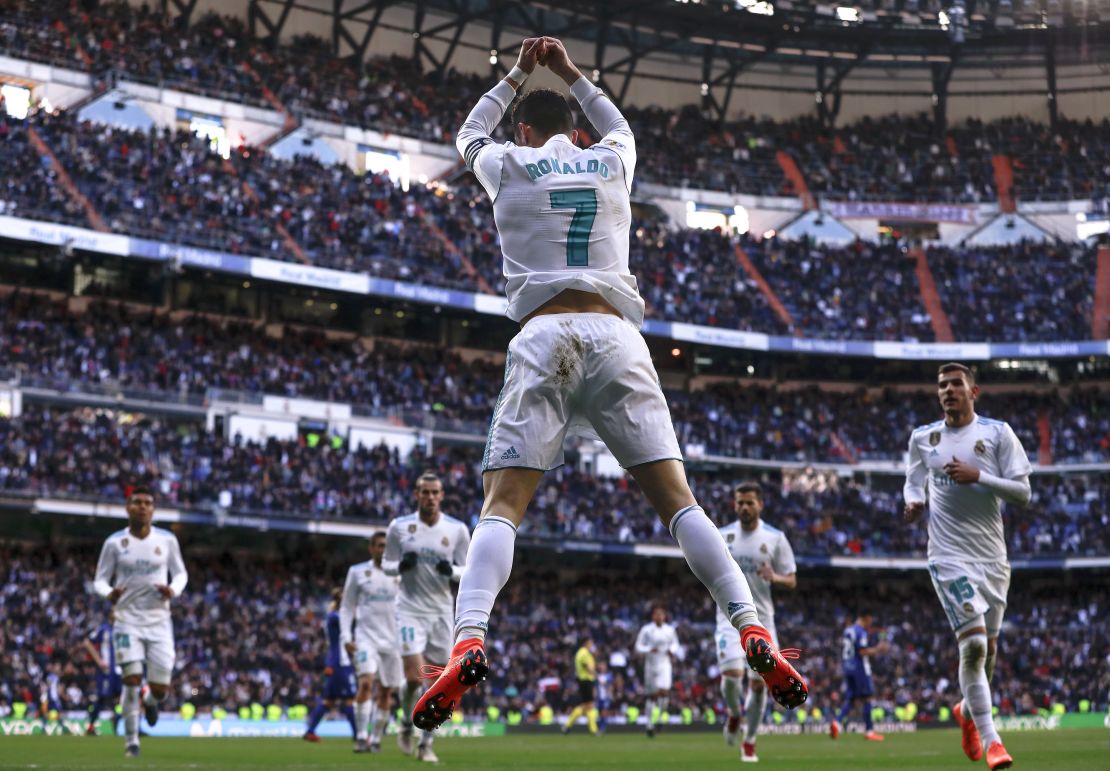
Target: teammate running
855,661
563,217
764,554
369,601
428,550
101,648
657,642
132,573
965,465
339,678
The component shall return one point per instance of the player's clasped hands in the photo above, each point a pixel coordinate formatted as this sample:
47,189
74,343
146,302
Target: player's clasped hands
408,561
961,473
444,568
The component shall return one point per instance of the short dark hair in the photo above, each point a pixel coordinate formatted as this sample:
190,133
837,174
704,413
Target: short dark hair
953,366
544,110
428,476
750,487
377,535
140,490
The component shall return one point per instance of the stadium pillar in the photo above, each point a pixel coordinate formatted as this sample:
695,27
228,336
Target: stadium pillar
1100,321
1050,77
942,74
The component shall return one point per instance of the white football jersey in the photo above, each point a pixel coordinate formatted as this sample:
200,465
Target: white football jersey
369,601
562,213
424,591
965,521
766,545
660,638
138,565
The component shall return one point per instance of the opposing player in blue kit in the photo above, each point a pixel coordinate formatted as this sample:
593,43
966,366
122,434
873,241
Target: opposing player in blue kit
855,661
339,682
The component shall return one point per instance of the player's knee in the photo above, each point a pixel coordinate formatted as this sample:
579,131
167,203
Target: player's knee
757,685
133,673
973,650
159,690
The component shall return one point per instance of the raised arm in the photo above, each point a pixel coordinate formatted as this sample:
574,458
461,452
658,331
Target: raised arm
607,120
476,132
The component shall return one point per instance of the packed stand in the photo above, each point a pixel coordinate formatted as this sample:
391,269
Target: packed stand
1066,163
33,192
171,186
860,291
249,629
891,158
114,346
694,276
1028,291
89,453
136,348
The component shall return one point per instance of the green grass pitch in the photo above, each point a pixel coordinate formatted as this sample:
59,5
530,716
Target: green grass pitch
1065,749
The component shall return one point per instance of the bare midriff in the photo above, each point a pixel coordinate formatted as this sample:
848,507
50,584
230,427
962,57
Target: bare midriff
573,301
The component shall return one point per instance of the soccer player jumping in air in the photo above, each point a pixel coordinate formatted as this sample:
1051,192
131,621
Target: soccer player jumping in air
966,465
563,216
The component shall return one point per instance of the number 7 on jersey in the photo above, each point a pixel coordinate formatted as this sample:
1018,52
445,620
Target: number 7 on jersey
584,203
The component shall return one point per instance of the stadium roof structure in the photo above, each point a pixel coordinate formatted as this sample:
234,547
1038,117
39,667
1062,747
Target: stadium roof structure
729,37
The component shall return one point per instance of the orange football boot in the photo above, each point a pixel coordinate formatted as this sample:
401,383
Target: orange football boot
783,681
467,668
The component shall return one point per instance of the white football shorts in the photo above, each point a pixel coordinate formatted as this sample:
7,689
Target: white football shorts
969,591
151,645
658,677
569,370
431,636
384,665
730,653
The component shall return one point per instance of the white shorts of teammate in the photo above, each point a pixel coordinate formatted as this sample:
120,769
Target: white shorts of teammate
730,653
972,591
582,370
430,636
384,665
151,645
658,677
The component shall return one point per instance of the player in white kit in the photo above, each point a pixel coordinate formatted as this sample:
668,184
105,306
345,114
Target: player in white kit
765,556
964,466
563,216
139,571
428,550
369,604
657,642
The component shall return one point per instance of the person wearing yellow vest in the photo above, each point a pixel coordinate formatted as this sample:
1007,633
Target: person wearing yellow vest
585,667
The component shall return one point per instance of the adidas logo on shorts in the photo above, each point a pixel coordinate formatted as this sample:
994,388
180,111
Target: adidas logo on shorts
510,454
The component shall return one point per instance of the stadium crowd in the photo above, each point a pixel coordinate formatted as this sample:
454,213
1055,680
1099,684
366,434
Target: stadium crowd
894,158
249,629
50,452
1001,293
172,186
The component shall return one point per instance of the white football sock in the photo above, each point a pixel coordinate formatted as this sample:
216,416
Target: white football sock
708,557
129,703
730,689
409,694
976,689
362,718
426,739
488,564
753,712
663,704
381,720
649,708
